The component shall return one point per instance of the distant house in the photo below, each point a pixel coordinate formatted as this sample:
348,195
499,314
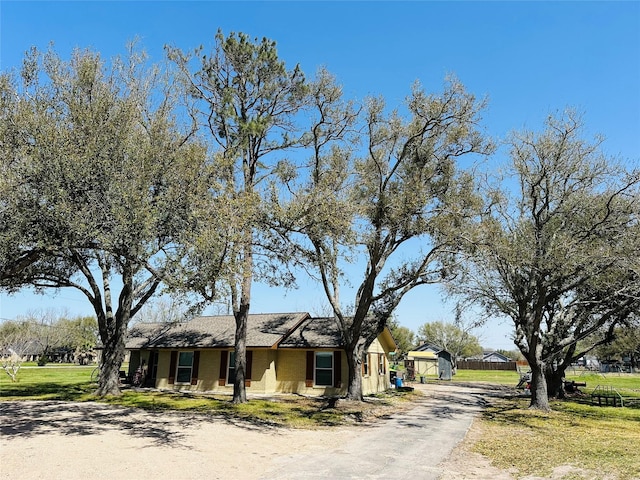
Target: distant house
495,357
286,353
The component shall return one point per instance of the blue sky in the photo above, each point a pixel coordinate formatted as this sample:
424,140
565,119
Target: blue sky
528,58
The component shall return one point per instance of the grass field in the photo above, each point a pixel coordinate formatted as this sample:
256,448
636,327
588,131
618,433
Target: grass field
602,441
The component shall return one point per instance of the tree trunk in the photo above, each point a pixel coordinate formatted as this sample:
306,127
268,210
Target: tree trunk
354,361
539,395
239,389
241,314
555,382
111,361
634,362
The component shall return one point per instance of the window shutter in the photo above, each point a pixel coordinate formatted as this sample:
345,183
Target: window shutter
194,368
247,373
337,369
172,367
222,379
309,378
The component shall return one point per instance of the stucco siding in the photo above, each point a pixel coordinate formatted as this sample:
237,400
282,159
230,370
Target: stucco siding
162,380
377,379
262,372
291,369
272,371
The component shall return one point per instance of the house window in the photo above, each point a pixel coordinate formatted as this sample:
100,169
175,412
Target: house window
381,365
185,364
324,369
231,368
366,369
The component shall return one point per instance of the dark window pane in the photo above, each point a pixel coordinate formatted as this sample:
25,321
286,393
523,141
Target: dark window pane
185,359
231,377
184,375
324,360
324,377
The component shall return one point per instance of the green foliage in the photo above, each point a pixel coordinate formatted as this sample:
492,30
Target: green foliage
404,337
626,344
389,195
514,355
456,340
99,181
245,103
558,256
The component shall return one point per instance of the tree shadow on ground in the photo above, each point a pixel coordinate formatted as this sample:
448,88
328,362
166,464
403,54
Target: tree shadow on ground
28,419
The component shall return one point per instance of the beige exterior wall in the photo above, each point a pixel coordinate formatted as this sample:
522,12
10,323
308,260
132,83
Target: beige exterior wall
377,379
426,366
425,363
262,372
291,373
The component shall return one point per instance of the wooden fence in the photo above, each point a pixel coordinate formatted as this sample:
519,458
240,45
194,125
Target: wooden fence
480,365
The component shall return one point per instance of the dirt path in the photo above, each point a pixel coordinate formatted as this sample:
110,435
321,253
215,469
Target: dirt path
51,440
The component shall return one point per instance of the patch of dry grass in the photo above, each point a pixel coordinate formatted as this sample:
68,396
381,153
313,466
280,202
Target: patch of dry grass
601,440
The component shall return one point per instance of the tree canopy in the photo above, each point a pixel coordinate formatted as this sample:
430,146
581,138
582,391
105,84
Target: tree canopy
224,167
244,101
386,189
97,181
454,338
559,254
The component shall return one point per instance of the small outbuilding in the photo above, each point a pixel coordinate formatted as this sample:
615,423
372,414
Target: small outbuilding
445,365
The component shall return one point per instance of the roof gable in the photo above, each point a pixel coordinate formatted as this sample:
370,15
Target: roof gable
428,347
495,356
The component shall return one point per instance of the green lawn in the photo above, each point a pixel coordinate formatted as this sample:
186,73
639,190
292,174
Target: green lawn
48,383
501,377
601,440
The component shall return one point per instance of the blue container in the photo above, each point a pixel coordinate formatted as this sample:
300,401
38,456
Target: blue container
398,382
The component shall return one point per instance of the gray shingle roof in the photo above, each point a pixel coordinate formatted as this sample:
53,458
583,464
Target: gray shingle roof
314,333
263,330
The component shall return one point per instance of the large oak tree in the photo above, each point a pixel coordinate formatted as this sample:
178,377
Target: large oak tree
97,180
382,202
558,252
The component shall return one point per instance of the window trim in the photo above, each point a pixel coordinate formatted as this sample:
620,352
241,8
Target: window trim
366,366
183,367
382,364
230,365
316,368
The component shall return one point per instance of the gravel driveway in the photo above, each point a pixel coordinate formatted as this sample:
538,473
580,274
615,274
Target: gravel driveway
59,440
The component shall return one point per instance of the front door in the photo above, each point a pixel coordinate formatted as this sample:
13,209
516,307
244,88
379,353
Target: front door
153,369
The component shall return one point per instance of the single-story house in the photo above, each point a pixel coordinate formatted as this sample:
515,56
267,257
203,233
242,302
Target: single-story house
286,353
495,357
